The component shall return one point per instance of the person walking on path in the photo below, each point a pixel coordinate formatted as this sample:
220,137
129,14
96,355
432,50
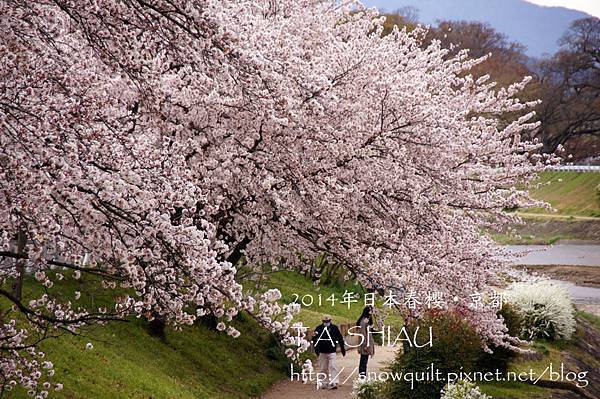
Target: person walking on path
325,340
367,345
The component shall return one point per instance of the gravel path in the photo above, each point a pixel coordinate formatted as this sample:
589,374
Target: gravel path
348,366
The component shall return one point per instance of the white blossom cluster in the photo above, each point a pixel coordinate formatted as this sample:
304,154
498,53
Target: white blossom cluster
24,366
546,307
278,319
365,388
307,371
463,390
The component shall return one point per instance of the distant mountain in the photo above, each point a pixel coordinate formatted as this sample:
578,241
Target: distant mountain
537,27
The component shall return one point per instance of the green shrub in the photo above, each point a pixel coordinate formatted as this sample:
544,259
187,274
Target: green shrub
512,319
456,347
497,360
501,356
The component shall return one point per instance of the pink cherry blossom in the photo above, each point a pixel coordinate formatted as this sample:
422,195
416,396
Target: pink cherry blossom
152,145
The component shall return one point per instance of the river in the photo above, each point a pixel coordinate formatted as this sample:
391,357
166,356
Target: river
564,254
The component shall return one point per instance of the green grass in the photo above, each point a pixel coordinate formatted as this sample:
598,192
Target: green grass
313,299
126,362
592,318
575,198
512,389
541,239
570,193
299,288
552,352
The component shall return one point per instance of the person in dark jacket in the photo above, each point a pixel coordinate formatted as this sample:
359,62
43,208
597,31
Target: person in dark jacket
325,340
367,344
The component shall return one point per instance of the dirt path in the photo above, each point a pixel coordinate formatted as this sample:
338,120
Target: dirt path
348,366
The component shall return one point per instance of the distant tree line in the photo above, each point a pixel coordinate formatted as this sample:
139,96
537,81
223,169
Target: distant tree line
567,82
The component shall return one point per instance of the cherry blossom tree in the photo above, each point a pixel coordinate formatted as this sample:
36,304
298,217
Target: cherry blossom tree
151,144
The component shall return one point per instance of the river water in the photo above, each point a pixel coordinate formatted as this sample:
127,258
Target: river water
580,255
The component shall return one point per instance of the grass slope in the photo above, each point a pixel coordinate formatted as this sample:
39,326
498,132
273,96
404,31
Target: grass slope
197,362
570,193
576,355
126,362
576,199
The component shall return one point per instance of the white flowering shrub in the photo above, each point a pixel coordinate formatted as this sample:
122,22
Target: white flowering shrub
462,390
363,388
546,308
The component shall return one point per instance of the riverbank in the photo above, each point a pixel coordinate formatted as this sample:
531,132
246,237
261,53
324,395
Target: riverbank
585,276
552,229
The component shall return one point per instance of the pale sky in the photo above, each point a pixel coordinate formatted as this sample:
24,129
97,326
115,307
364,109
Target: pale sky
592,7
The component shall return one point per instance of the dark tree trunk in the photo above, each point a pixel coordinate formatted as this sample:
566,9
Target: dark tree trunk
156,328
237,253
550,144
17,286
209,320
